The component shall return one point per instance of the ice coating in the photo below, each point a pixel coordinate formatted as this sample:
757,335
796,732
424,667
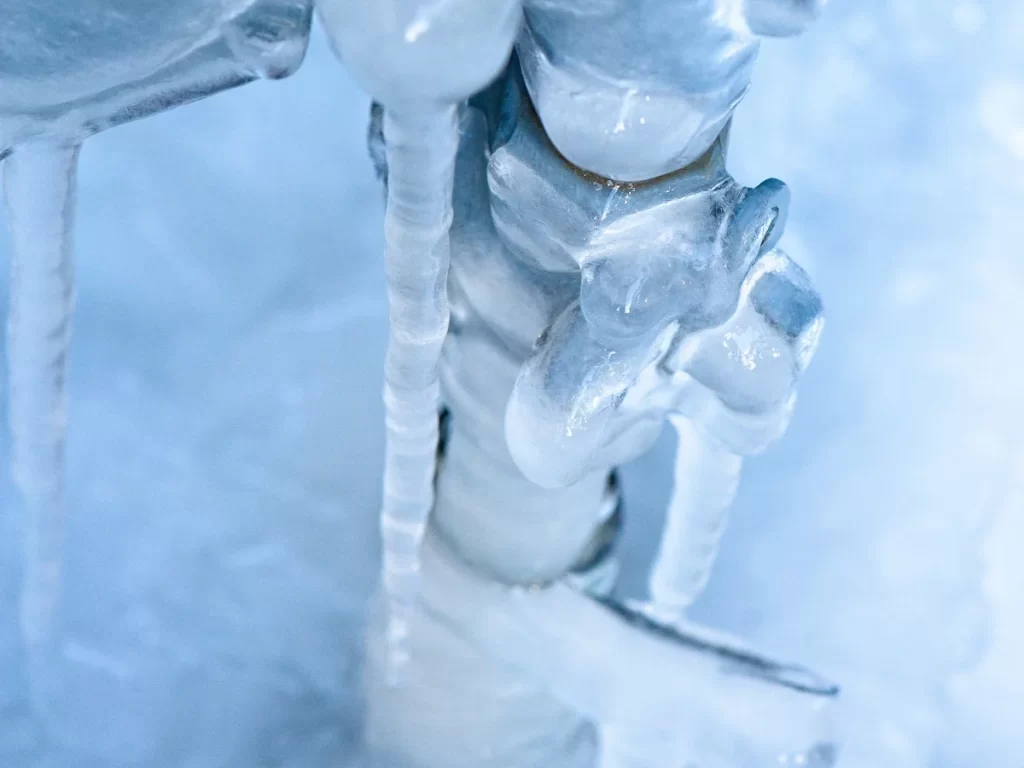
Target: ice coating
57,53
421,160
658,260
633,89
507,662
503,642
420,58
684,312
753,363
67,71
500,305
422,53
39,190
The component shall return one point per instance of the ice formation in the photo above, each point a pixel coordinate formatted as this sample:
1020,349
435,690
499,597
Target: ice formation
707,475
664,359
419,58
221,546
68,71
602,333
573,338
753,361
39,187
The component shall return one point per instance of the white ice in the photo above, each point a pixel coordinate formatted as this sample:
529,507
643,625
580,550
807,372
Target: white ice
222,536
419,58
705,481
421,168
40,191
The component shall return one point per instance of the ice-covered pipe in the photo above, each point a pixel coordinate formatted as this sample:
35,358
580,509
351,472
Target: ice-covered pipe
420,59
129,59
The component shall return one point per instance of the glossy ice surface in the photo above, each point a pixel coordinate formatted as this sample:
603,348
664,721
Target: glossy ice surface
422,52
659,263
633,89
67,72
218,551
71,69
420,58
58,53
501,670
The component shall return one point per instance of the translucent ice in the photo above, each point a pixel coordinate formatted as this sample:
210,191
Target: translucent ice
421,158
707,475
875,485
67,71
503,642
71,69
658,260
420,58
511,666
633,89
39,188
752,363
422,53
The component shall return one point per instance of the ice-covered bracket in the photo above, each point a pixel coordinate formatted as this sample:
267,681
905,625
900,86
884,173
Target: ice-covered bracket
641,93
664,266
67,71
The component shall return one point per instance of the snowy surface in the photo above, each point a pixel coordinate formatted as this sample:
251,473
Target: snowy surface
227,438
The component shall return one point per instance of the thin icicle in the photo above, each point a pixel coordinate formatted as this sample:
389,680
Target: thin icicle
706,479
39,187
421,149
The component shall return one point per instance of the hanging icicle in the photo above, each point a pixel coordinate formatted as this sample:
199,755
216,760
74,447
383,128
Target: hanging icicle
39,188
421,149
420,59
707,475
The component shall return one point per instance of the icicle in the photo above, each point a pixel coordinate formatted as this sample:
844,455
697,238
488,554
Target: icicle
39,186
706,478
421,148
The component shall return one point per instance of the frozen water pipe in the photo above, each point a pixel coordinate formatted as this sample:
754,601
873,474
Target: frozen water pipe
420,59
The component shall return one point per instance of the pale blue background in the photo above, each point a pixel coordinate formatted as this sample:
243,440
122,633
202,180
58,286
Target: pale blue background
226,430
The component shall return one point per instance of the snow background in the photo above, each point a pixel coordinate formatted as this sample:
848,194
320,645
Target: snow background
226,435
